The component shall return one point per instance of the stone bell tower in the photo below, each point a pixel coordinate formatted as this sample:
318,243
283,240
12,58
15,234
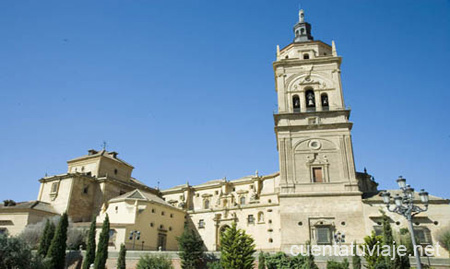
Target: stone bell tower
312,127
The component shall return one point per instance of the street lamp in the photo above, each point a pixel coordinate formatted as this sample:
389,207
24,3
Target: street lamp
135,235
404,205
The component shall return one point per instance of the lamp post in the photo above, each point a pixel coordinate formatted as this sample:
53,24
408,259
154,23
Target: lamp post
135,235
404,205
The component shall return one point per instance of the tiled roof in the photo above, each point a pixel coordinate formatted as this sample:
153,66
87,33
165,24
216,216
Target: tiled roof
37,205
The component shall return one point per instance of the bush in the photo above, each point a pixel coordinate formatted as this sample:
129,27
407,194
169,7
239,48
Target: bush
16,253
338,265
214,265
154,262
33,233
443,236
261,260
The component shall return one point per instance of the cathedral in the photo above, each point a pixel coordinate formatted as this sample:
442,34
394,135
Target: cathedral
316,197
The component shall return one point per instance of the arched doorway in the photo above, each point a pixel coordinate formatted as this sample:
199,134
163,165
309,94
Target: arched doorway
220,231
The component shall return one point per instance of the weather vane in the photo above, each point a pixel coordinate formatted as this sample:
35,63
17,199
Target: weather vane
104,145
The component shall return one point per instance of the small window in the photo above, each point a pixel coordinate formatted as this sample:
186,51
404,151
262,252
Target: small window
54,188
86,189
310,100
300,223
161,227
153,210
260,217
216,192
171,215
117,209
324,101
269,201
115,171
317,174
306,56
163,213
242,200
270,240
296,103
378,230
170,228
152,224
201,224
197,195
250,219
82,169
423,236
206,204
234,189
323,235
270,221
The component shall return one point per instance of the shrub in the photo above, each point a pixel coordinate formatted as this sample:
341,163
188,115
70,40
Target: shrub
261,260
14,253
154,262
443,236
237,249
371,243
338,265
191,249
356,259
214,265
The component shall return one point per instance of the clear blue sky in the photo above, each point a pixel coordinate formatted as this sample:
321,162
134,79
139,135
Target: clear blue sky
184,90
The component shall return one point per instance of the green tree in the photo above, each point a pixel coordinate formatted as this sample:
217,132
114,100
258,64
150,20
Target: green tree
310,264
261,260
102,248
90,248
121,261
356,259
388,240
191,249
371,255
14,253
237,249
443,236
57,251
46,238
154,262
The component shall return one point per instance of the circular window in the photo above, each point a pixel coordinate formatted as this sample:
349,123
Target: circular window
270,240
300,223
436,223
343,223
314,144
397,222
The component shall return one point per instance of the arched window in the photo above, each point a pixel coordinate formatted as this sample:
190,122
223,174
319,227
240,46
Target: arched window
296,103
206,204
296,33
310,100
306,56
242,200
324,101
260,217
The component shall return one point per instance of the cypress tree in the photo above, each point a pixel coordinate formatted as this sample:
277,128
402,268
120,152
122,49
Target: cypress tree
57,250
191,249
388,240
90,248
356,260
102,248
122,257
46,238
237,249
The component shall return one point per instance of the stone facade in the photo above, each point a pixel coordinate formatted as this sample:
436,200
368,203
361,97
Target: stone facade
316,195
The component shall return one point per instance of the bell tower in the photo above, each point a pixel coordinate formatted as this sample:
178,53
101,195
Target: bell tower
312,124
319,194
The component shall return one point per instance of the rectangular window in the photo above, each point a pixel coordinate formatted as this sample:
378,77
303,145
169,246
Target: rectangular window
378,230
201,223
251,219
317,174
423,236
54,187
323,235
